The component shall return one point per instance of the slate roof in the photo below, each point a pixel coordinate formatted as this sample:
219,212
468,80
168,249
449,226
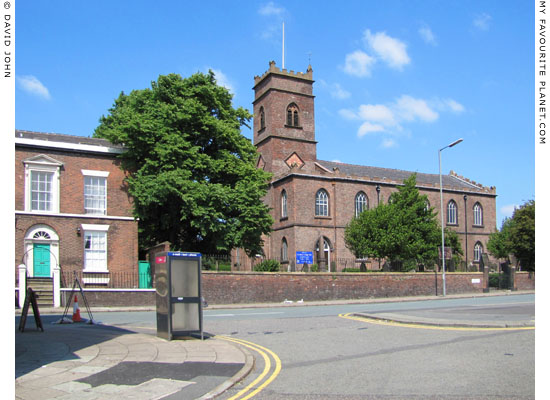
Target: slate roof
451,181
62,138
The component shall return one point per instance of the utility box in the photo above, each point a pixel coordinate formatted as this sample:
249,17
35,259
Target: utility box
178,294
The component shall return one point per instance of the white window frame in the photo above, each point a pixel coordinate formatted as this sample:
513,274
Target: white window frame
322,203
478,215
452,213
478,250
284,204
361,203
95,264
284,250
100,175
45,164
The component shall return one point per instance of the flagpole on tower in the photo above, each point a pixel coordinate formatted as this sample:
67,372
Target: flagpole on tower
283,45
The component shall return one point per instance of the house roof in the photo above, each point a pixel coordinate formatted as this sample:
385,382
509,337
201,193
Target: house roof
451,181
67,142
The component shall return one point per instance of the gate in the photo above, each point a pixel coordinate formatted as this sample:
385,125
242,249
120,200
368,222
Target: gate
506,276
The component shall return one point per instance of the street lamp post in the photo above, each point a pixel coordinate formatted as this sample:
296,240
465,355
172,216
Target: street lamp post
442,216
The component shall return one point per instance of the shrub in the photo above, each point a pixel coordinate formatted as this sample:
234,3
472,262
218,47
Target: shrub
268,266
494,280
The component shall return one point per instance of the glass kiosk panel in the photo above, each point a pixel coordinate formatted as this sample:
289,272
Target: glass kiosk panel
185,278
185,317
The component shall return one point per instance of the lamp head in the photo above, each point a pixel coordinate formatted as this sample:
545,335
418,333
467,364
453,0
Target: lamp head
456,142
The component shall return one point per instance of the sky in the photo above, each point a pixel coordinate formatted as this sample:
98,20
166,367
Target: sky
394,81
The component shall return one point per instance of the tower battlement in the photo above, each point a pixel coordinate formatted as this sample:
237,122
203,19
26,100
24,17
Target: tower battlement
273,69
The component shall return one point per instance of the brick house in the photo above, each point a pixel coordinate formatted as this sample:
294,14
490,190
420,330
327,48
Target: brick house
312,200
72,212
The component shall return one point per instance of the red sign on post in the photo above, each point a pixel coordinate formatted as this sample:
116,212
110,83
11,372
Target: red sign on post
160,260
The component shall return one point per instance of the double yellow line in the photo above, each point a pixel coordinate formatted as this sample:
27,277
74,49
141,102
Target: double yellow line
256,387
434,327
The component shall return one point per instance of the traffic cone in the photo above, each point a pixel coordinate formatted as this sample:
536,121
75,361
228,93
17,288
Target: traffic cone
76,311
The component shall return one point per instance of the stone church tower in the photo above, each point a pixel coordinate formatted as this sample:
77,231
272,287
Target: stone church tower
284,120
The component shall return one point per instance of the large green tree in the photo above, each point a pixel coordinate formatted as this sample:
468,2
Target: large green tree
499,244
517,237
522,235
190,171
403,229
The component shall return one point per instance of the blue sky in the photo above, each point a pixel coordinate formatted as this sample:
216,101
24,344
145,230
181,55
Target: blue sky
394,81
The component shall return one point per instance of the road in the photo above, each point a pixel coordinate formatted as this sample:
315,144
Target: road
326,356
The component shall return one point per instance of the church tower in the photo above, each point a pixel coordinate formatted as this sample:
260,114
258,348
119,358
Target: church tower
284,120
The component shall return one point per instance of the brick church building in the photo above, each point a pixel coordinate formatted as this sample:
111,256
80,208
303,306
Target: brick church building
313,200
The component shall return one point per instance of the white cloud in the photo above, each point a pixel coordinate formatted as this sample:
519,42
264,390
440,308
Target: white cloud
482,21
410,109
367,127
348,114
427,35
358,64
335,89
454,106
508,210
377,113
391,50
388,143
338,92
445,105
389,118
270,9
223,80
32,85
272,23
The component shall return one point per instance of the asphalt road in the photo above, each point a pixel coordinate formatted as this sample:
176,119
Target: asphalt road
326,356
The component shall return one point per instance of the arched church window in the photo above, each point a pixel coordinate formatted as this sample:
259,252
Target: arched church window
478,250
478,215
292,115
284,250
262,118
284,210
361,203
452,218
321,203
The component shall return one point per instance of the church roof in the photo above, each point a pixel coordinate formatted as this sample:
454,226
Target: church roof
451,181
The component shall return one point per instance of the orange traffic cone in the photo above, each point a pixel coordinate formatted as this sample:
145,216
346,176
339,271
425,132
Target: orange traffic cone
76,311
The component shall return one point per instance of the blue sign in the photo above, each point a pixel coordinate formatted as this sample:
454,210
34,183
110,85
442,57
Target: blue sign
304,257
183,254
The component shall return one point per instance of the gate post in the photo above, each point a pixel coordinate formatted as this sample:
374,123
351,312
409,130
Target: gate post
57,286
485,279
22,284
513,286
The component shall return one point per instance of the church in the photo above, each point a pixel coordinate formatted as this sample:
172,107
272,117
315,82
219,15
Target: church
312,200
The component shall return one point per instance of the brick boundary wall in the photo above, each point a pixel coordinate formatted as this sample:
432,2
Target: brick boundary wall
252,287
525,281
112,298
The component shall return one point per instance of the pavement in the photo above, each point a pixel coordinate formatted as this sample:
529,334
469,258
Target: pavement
95,361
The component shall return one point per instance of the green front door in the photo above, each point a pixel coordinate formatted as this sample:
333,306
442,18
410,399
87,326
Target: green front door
41,259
